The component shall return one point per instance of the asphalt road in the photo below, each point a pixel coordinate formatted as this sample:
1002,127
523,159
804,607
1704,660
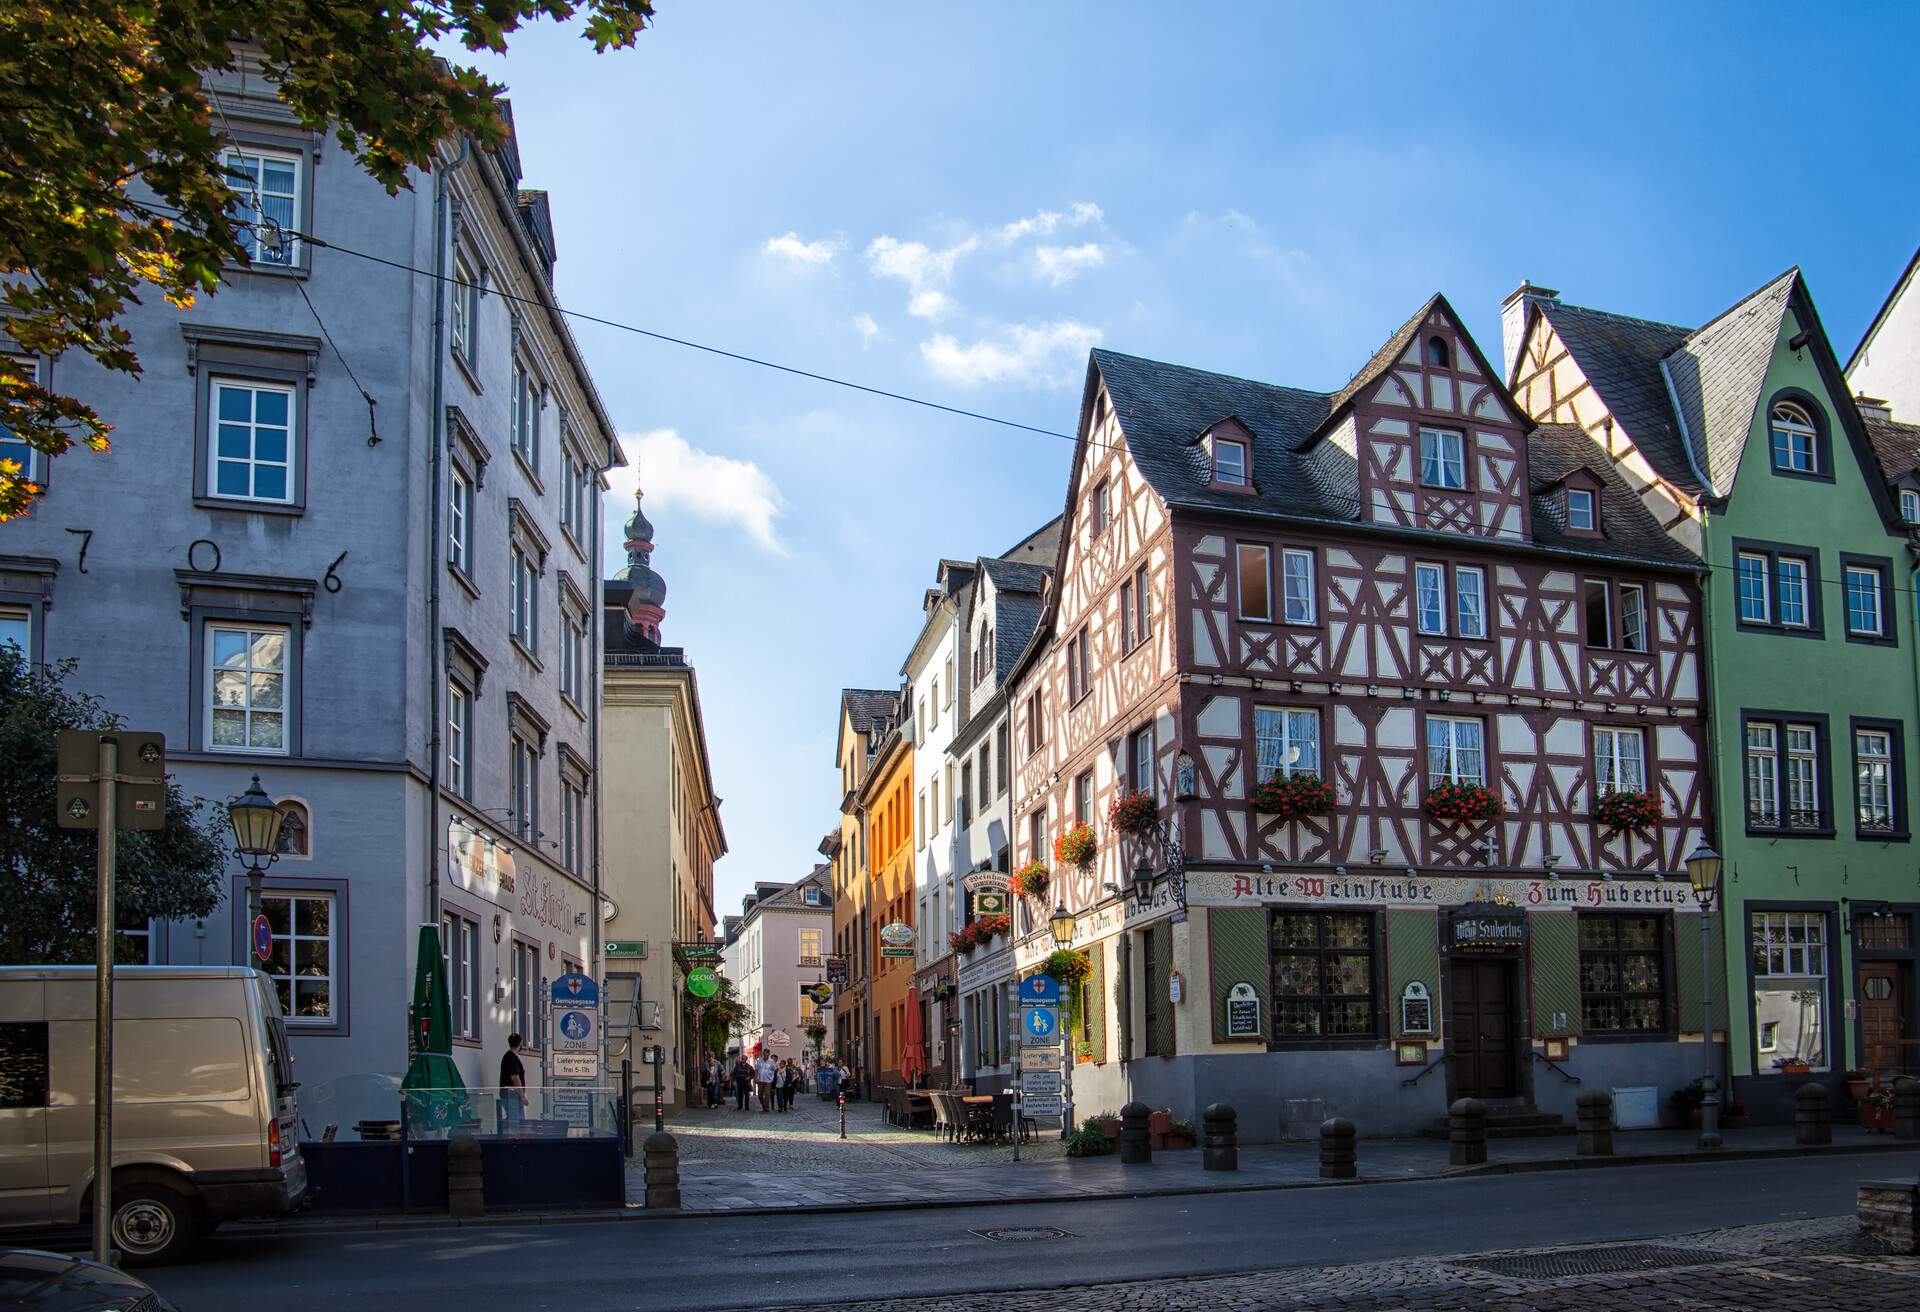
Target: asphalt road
772,1261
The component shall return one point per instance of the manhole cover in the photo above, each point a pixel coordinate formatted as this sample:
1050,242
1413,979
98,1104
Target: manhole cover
1594,1261
1023,1234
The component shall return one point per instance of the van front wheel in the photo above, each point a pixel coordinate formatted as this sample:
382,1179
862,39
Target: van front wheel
152,1223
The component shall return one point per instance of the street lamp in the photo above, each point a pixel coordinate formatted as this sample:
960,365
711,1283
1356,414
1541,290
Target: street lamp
1142,880
256,840
1703,872
1061,923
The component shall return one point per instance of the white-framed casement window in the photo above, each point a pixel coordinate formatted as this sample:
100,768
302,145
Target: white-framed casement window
1286,741
1443,459
525,984
1910,505
460,958
1141,760
246,689
1792,594
252,440
953,680
1456,750
459,739
301,964
266,204
1083,799
523,590
1143,604
525,418
1873,779
523,774
573,642
1619,760
466,306
1470,601
1581,514
1763,777
1127,639
1755,599
1102,507
1229,462
573,825
570,502
1616,614
1297,599
460,522
1803,776
12,448
1865,612
1256,581
1796,442
1430,599
1633,617
812,941
1789,962
16,629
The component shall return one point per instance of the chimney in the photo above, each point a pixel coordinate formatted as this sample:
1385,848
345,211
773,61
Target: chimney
1513,320
1872,407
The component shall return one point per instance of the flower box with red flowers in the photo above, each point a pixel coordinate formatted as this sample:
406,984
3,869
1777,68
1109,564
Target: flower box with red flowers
1030,880
1462,803
1291,796
1131,813
1627,810
1075,847
985,927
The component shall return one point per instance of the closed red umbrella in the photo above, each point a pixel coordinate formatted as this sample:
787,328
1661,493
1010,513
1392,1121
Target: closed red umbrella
913,1061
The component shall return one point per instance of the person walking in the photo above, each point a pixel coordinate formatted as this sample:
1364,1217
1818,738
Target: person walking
763,1073
713,1082
742,1081
787,1082
513,1082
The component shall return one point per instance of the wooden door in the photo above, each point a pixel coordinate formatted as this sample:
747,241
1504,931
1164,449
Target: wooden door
1480,1036
1883,1014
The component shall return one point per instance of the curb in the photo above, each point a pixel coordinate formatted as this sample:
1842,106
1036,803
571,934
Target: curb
602,1216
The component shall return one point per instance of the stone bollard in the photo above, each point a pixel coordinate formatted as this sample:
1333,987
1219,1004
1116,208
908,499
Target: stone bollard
1906,1109
1336,1149
1593,1113
466,1185
1467,1132
1220,1149
1812,1115
1135,1147
663,1170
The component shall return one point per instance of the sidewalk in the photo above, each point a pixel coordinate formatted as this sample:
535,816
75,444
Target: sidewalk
741,1162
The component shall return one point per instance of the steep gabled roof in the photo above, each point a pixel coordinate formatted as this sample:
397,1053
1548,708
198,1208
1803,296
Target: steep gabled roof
1886,308
867,707
1717,374
1628,527
1620,357
1896,444
1389,354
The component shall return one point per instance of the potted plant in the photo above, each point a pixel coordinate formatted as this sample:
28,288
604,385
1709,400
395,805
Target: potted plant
1627,809
1858,1085
1291,796
1686,1101
1030,880
1073,970
1452,803
961,940
1792,1066
1131,813
1159,1126
1181,1135
986,927
1075,847
1088,1142
1876,1110
1106,1124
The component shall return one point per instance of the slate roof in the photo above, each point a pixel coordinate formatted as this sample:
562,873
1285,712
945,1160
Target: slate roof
1384,357
1629,528
1019,602
1717,374
1621,359
1897,445
868,707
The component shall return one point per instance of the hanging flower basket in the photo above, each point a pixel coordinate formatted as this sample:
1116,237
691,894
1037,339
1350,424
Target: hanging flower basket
1075,847
1131,813
1462,803
1628,810
986,927
1291,796
1030,880
961,940
1068,967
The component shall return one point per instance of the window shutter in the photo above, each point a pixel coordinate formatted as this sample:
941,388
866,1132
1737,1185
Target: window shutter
1238,951
1097,1003
1555,970
1159,1000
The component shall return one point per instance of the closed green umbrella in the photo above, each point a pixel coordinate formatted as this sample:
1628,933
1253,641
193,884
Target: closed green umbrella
435,1093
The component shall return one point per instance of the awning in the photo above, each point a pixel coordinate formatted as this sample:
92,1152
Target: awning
913,1062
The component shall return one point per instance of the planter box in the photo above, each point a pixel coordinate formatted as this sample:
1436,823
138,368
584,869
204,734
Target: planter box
1877,1119
1177,1140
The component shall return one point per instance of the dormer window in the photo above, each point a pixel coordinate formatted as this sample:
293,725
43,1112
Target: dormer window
1583,514
1437,353
1230,462
1910,505
1796,442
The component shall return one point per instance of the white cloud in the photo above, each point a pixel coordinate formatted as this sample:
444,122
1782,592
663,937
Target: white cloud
803,254
916,264
1062,264
864,325
1021,353
929,304
1045,222
679,476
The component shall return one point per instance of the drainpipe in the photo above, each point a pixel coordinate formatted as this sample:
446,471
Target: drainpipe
596,620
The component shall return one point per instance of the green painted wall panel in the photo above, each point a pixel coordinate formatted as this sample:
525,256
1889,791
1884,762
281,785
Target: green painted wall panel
1413,953
1239,954
1554,968
1097,1003
1686,971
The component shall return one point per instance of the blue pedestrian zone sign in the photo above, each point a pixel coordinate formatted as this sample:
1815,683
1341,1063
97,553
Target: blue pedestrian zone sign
1039,1026
1039,988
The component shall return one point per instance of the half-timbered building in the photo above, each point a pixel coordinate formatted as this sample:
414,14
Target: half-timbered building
1375,656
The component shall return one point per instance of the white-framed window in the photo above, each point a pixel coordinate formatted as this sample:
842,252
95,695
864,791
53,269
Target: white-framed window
460,522
526,993
1755,602
1619,760
1102,507
1470,601
16,629
253,440
1456,750
1599,607
1126,615
466,306
953,681
14,448
1763,778
812,941
1803,775
1873,779
301,964
523,772
1633,616
920,830
266,189
1141,759
1443,460
1792,573
1863,601
1286,741
1580,510
1143,604
1788,959
525,418
1083,798
573,643
246,689
523,589
1229,462
1296,586
573,825
460,958
459,739
1430,598
1256,581
1796,445
569,487
1910,505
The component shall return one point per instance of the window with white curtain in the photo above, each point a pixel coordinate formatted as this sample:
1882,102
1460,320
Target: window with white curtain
1619,760
1286,741
1456,750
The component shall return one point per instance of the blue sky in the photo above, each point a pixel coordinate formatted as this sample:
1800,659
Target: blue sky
958,201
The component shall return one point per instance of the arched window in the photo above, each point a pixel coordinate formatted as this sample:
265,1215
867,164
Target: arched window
1796,442
295,833
1438,354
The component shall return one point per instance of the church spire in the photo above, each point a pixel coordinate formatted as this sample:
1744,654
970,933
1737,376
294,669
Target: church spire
647,604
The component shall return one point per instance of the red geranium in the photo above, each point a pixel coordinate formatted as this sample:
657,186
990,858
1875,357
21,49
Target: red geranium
1291,796
1030,880
1628,810
1131,813
1075,847
1462,803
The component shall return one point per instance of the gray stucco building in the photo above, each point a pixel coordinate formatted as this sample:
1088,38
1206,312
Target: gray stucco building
380,603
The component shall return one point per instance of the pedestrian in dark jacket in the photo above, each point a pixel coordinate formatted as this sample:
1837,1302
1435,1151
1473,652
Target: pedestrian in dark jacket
742,1083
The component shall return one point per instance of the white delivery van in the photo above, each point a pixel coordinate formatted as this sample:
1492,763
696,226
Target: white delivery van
203,1107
